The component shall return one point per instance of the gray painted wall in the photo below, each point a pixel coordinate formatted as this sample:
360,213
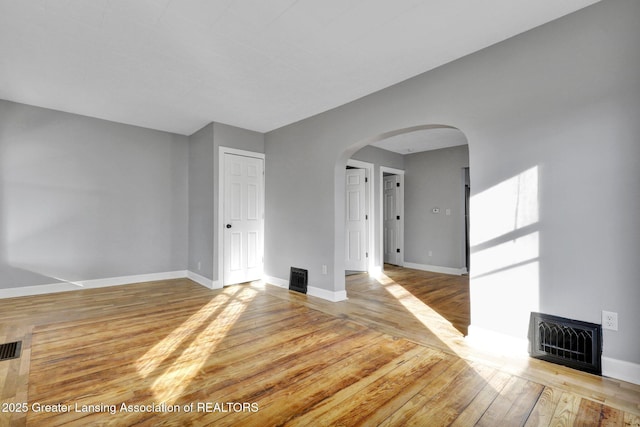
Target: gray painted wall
435,179
561,100
83,198
201,181
378,157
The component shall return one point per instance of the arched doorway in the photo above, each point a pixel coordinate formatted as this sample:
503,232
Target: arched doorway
435,218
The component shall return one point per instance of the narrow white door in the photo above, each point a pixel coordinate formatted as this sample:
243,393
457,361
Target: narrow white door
391,220
243,218
356,221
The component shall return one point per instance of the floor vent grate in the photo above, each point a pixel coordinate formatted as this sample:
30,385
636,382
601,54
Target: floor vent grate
567,342
10,350
298,280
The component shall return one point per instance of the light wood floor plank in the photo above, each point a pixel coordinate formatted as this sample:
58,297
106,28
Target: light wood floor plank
567,410
371,393
631,420
514,403
450,402
483,400
545,407
429,392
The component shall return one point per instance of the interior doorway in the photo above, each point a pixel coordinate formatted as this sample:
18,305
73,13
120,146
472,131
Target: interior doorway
358,217
392,218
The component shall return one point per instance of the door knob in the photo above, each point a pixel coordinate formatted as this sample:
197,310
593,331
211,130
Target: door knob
228,225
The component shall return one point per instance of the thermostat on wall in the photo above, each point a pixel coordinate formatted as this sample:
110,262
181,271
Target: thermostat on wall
435,210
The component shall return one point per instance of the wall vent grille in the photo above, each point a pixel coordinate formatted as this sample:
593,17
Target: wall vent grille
567,342
10,350
298,280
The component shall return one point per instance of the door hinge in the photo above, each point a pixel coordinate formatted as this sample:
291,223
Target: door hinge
366,217
397,184
366,179
398,250
398,217
366,254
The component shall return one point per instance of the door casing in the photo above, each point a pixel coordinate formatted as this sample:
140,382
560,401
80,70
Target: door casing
400,242
368,167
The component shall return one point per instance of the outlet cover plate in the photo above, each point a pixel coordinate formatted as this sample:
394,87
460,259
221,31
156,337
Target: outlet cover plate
610,320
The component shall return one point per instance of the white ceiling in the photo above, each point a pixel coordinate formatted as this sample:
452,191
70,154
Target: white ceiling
423,140
177,65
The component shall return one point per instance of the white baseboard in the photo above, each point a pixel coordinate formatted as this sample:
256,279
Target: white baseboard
333,296
89,284
276,281
311,290
201,280
621,370
496,342
436,268
376,270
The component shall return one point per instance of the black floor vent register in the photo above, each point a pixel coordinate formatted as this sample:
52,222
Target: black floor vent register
298,280
10,350
567,342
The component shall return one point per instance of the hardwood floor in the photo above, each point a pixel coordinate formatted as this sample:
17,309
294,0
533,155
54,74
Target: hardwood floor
254,354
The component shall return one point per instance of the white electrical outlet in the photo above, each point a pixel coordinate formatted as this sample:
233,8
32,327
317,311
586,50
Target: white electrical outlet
610,320
199,265
324,269
430,253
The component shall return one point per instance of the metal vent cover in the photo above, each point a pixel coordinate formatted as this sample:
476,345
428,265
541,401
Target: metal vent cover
567,342
298,280
10,350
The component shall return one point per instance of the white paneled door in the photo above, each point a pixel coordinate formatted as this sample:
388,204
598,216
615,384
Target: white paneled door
391,219
243,218
356,221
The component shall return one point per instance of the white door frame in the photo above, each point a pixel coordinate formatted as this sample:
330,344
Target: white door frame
400,173
368,167
221,192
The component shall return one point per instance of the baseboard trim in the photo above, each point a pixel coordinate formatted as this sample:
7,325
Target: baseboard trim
333,296
89,284
201,280
436,268
276,281
621,370
376,270
311,290
496,342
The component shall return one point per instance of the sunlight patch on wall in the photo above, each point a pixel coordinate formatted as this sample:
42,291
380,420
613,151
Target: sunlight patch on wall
505,247
506,255
506,298
505,207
